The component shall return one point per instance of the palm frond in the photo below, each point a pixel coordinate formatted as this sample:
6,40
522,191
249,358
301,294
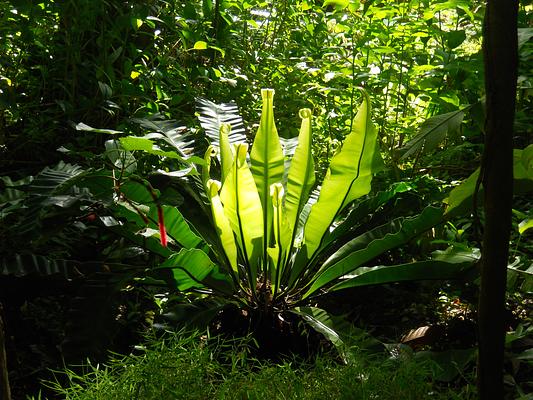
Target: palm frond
212,116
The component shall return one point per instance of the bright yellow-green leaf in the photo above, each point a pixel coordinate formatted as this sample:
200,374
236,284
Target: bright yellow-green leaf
461,194
134,74
136,22
7,80
200,45
281,234
210,153
222,224
301,177
266,157
242,207
525,225
348,176
336,3
226,152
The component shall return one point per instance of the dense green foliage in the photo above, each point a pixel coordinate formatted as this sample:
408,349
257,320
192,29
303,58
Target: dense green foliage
107,110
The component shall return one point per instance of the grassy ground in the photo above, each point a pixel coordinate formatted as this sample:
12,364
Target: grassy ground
185,367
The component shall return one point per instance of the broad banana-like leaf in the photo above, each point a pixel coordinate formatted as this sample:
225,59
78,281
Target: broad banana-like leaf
192,268
348,177
176,227
267,161
373,243
243,208
222,224
226,152
301,177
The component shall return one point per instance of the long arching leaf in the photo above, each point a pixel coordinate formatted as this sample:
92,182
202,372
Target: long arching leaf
373,243
222,224
267,161
301,177
243,208
421,270
357,214
348,177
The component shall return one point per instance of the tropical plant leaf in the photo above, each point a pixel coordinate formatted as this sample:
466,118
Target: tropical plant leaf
33,264
195,315
192,268
226,151
133,143
132,232
120,157
421,270
212,116
359,212
301,176
348,177
222,224
345,337
176,226
267,161
282,235
525,225
447,365
176,135
373,243
523,170
86,128
432,132
460,198
57,179
45,189
242,206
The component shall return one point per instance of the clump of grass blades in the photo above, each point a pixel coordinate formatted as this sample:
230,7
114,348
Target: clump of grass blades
186,367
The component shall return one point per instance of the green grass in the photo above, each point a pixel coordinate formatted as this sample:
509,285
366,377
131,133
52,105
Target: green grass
185,367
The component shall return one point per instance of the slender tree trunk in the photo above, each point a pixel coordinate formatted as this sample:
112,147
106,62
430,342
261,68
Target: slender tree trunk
500,48
5,392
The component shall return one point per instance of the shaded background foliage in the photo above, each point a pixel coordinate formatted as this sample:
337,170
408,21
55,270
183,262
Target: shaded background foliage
133,67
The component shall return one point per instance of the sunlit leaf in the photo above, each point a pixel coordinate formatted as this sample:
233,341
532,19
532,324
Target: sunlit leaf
200,45
525,225
348,178
242,207
267,161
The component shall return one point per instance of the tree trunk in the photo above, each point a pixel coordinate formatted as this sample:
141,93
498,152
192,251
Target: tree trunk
500,49
5,392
